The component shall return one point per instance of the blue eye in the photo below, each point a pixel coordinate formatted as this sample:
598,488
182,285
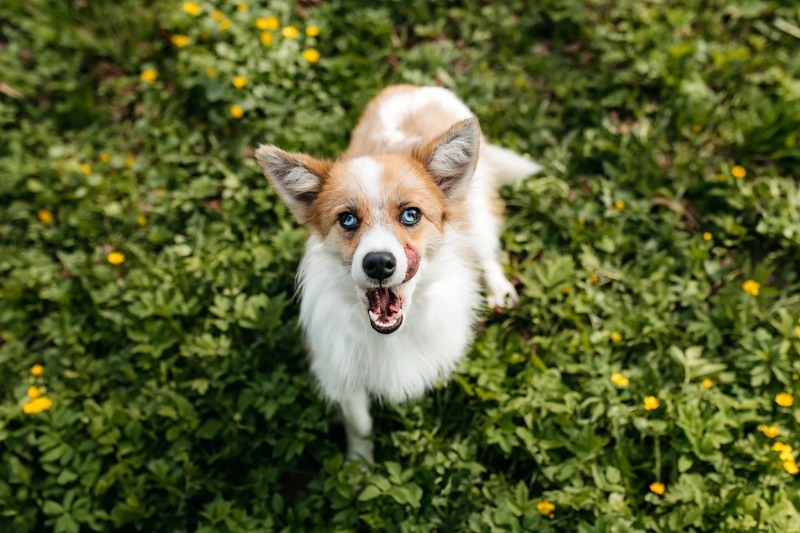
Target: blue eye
410,216
348,221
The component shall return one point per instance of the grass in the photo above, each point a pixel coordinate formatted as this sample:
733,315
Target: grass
146,265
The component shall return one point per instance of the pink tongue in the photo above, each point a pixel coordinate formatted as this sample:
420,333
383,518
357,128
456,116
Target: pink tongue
413,262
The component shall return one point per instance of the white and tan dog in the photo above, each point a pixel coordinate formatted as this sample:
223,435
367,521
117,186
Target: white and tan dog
399,228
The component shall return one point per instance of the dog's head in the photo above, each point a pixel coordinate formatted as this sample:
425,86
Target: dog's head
382,215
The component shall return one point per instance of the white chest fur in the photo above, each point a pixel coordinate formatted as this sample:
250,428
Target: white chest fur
348,355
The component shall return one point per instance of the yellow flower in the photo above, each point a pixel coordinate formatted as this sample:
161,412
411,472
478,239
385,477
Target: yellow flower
796,328
266,38
707,383
180,40
241,6
34,392
270,23
86,168
290,32
239,82
129,161
739,172
217,15
751,287
312,31
224,24
784,399
311,55
140,218
37,406
192,8
619,379
149,75
593,277
651,403
545,507
780,447
37,370
116,258
105,157
519,82
707,236
697,128
566,289
657,488
45,216
616,337
769,431
236,111
790,467
211,73
619,205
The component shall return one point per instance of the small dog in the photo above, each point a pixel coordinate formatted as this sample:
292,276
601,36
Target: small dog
399,228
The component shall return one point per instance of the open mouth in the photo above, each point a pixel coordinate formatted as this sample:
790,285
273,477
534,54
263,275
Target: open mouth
385,309
385,304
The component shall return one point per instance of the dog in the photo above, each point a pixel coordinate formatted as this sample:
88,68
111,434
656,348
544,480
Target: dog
400,228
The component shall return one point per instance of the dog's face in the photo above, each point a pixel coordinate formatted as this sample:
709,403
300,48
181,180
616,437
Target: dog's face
382,216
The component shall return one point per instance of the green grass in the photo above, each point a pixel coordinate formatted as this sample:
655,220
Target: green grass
180,396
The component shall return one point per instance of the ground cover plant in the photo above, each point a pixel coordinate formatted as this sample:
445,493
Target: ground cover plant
152,374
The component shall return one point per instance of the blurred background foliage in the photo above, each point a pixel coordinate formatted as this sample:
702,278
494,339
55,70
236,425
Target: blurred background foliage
147,267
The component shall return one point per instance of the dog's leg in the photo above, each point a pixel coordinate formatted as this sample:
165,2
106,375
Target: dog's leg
358,423
485,236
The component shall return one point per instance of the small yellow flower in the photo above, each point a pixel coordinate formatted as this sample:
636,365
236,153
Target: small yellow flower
519,82
236,111
86,169
180,40
738,172
34,392
796,328
224,24
769,431
37,406
786,454
211,73
657,487
290,32
619,379
241,6
311,55
751,287
105,157
790,467
784,399
593,277
37,370
266,38
651,403
616,337
780,447
707,236
619,205
545,507
697,128
192,8
129,161
239,81
116,258
45,216
140,218
566,289
707,383
312,31
149,75
269,23
218,15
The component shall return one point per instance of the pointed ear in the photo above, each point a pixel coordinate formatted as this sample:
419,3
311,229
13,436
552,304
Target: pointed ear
451,157
296,177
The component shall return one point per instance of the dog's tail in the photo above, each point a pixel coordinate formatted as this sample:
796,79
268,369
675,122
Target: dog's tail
508,167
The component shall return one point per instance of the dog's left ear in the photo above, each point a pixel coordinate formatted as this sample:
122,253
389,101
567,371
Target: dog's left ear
297,177
451,157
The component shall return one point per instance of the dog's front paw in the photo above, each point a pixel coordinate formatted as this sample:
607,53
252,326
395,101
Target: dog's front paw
360,448
501,292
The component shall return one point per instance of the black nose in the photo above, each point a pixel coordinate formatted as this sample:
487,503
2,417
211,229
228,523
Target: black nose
379,265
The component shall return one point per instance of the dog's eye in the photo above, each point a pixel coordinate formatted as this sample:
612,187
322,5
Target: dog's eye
410,216
348,221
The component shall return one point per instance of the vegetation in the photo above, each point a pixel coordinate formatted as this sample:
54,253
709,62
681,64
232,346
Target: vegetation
152,373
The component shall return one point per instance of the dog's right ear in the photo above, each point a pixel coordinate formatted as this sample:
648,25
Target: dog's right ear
297,177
